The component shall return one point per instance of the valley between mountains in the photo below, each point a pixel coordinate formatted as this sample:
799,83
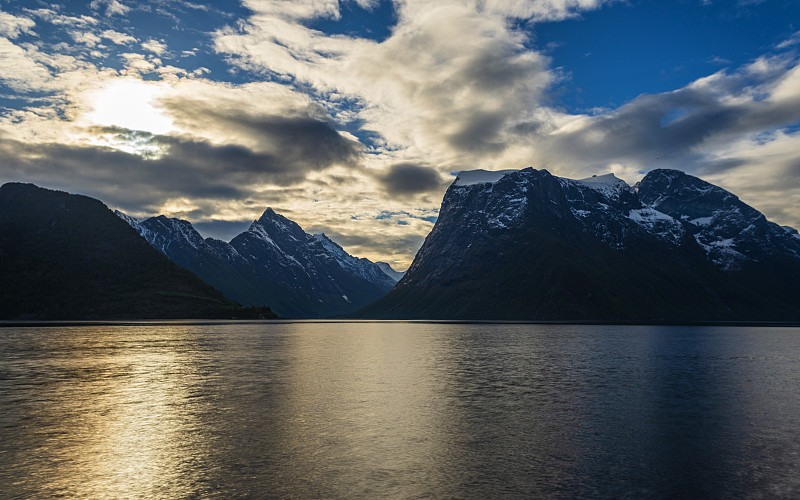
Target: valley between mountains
508,245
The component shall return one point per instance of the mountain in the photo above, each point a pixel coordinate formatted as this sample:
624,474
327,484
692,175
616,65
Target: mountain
527,245
65,256
390,272
274,262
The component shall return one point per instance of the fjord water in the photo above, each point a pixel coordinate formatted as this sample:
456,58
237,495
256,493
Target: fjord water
398,410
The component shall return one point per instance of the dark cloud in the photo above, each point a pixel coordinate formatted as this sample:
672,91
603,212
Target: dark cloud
299,140
480,133
407,179
178,166
502,67
675,126
298,136
710,168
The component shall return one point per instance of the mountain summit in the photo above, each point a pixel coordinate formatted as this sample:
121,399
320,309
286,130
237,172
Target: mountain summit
529,245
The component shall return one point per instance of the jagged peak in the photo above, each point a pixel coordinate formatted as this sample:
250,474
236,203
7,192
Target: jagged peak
271,219
179,227
324,237
672,176
270,214
172,220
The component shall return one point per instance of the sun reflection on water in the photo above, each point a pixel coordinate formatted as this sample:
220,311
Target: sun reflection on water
111,420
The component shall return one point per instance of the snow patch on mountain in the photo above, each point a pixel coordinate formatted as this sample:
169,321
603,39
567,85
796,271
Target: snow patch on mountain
133,222
261,232
722,252
659,224
162,232
700,221
610,185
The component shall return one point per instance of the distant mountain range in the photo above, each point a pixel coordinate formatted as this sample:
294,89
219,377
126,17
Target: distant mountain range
273,263
68,257
508,245
527,245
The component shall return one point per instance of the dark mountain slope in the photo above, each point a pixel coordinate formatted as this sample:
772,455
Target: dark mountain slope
65,256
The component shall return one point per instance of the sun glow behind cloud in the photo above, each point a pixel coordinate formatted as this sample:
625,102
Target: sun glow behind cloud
131,104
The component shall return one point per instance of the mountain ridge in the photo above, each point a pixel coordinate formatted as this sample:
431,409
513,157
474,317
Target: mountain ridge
274,261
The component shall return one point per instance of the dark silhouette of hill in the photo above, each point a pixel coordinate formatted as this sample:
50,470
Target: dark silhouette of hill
66,256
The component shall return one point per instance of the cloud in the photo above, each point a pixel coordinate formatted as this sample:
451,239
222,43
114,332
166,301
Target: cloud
138,63
20,71
183,168
156,47
13,26
679,129
791,41
118,38
53,17
542,10
285,124
85,37
112,7
443,89
407,178
295,9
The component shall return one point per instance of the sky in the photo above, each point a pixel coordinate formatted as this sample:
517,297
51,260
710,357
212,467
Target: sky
352,117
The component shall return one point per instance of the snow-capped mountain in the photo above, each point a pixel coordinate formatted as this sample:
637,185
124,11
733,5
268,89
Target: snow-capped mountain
396,275
730,231
528,245
273,263
373,272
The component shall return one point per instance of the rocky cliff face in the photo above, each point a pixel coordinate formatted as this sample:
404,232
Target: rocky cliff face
528,245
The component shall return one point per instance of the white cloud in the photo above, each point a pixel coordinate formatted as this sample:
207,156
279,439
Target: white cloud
137,63
443,87
118,38
294,9
53,17
156,47
20,71
85,37
112,7
13,26
541,10
791,41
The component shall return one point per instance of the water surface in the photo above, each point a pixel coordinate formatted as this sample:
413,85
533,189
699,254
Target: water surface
399,410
